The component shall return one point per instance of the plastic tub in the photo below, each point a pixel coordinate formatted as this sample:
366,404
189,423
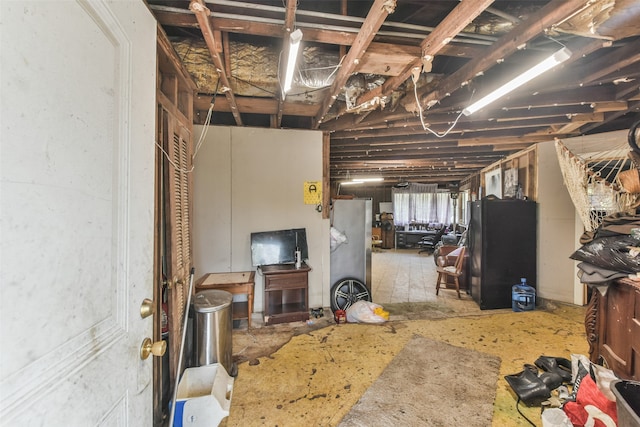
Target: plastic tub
627,402
204,396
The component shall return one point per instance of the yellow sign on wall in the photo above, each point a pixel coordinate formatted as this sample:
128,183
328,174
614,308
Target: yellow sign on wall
312,192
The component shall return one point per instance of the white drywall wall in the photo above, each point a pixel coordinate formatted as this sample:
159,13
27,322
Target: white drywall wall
251,179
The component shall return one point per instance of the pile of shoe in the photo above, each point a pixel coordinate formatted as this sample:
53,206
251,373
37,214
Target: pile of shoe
535,384
546,383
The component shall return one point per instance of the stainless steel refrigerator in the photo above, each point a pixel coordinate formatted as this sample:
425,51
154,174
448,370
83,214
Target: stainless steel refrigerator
502,245
352,259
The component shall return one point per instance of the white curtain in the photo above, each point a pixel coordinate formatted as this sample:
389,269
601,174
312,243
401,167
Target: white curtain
421,203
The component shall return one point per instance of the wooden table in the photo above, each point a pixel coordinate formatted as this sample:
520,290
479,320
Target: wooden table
239,283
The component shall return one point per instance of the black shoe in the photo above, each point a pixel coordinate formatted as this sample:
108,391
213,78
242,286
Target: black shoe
550,379
529,387
557,365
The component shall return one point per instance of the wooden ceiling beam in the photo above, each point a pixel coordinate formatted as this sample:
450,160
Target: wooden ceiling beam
615,60
549,15
202,15
416,154
465,12
632,108
176,19
404,162
579,121
527,101
170,55
256,106
605,107
494,135
376,16
502,116
476,126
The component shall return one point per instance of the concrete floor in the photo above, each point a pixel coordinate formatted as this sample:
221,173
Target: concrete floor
312,374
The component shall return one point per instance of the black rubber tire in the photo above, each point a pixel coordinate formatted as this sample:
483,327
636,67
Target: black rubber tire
345,292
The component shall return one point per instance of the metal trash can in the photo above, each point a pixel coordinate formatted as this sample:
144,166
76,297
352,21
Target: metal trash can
213,327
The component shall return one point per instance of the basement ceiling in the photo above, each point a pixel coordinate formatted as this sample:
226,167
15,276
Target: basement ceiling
388,79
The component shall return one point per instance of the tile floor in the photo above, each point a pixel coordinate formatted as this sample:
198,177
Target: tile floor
403,275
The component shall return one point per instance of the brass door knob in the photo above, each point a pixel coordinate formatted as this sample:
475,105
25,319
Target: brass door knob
147,308
149,347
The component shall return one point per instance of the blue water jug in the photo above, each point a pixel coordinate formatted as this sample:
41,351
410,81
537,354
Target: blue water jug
523,296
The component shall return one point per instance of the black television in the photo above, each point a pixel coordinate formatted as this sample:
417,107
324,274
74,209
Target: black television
278,247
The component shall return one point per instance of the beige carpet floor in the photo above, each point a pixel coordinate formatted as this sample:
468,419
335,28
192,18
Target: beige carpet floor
430,383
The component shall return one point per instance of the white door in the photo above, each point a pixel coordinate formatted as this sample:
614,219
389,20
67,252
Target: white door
77,95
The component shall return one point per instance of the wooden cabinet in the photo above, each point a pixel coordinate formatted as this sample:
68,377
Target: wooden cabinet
286,296
388,234
612,324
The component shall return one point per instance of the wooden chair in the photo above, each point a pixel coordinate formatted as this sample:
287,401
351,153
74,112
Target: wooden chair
453,271
376,243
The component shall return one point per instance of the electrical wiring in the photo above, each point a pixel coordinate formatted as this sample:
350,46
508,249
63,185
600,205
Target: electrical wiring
326,80
203,134
424,126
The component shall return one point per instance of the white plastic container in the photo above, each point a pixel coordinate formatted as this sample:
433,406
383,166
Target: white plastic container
204,396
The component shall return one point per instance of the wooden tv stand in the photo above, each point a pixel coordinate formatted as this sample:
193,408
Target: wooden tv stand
286,294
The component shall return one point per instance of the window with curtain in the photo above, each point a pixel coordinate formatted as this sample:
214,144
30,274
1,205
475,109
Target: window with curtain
421,203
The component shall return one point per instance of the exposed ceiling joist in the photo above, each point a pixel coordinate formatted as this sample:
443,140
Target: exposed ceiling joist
202,15
551,14
440,37
376,16
369,112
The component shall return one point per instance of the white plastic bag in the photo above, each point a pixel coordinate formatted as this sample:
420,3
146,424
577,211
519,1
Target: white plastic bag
362,312
603,376
555,417
337,238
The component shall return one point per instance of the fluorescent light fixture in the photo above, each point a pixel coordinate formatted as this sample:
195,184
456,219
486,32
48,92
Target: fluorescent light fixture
294,46
356,181
555,59
374,179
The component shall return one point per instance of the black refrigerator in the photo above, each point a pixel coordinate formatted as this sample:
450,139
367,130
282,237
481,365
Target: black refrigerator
502,249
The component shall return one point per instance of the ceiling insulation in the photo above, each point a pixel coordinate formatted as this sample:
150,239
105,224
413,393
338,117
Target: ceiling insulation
608,19
254,73
253,68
